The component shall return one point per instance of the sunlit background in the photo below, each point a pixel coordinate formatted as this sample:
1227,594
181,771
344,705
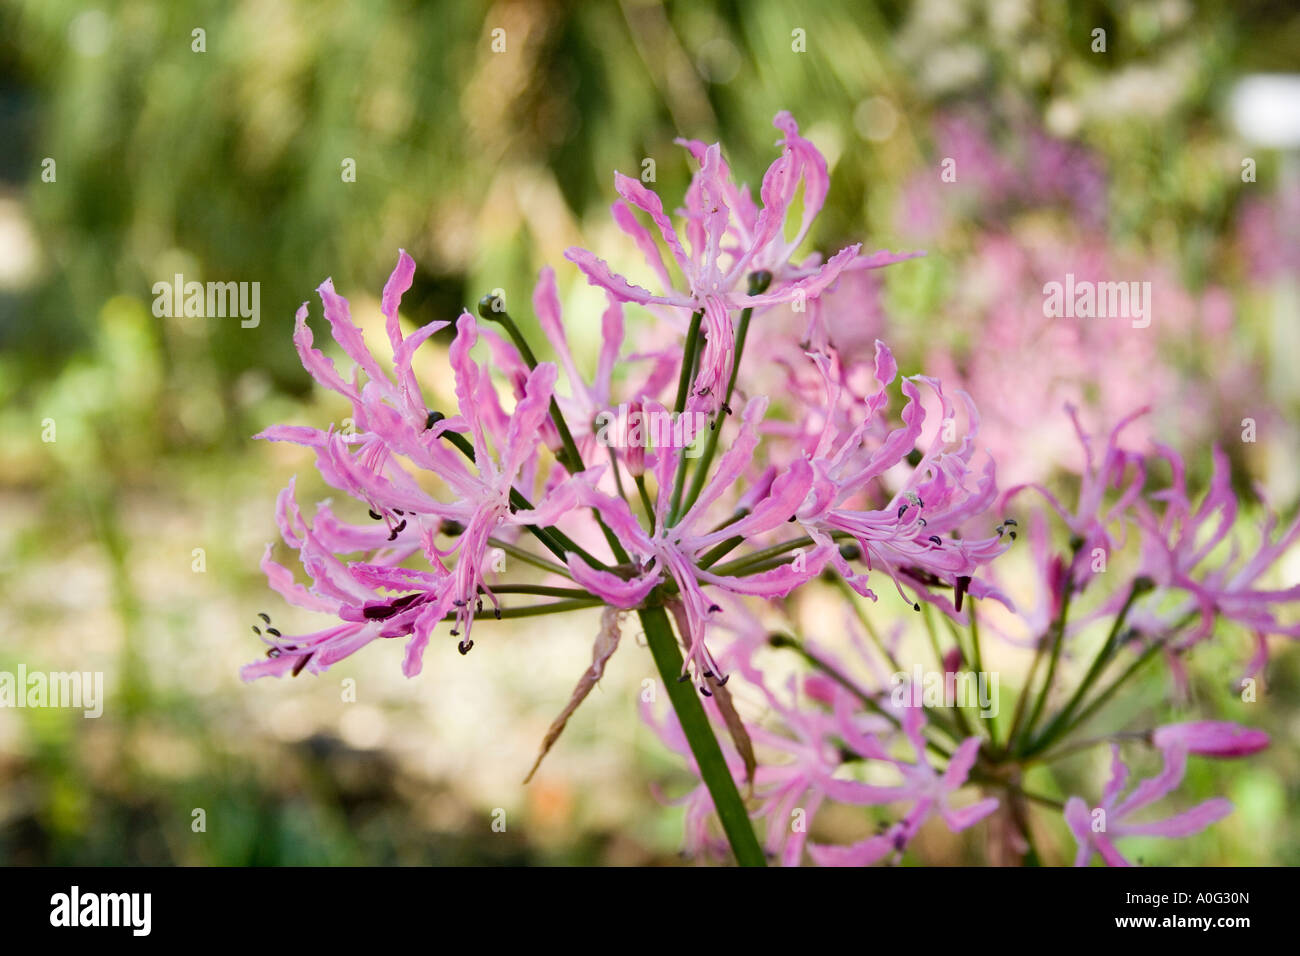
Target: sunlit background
129,544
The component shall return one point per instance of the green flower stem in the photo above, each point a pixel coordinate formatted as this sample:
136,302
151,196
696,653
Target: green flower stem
1105,695
1080,745
958,714
569,455
852,597
834,673
720,551
715,430
488,309
538,610
538,562
761,556
646,503
975,636
539,590
699,734
1058,638
689,359
1060,723
688,362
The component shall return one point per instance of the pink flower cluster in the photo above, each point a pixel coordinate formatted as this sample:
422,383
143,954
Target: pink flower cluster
811,478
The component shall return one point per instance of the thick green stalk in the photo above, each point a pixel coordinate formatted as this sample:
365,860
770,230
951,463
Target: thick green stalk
699,734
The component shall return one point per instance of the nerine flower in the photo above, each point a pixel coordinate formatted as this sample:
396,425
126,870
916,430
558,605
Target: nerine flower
391,419
728,238
926,788
814,478
912,538
1095,828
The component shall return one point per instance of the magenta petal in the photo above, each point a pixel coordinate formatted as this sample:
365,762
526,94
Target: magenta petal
869,851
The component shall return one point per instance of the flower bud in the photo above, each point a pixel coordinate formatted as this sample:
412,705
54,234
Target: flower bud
1211,738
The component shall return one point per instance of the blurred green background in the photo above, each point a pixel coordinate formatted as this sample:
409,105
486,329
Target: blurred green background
227,165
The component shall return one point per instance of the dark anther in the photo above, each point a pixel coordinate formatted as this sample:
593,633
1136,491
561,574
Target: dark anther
302,662
708,673
726,408
723,680
714,609
705,391
464,647
916,607
792,519
257,630
497,612
850,551
706,692
454,632
901,510
936,539
273,652
963,585
922,522
397,529
1011,522
398,511
684,678
1013,536
374,514
460,602
432,419
273,632
264,616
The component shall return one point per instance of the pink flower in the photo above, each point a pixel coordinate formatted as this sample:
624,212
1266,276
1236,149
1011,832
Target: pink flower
1095,829
728,238
911,538
673,550
1210,738
1178,554
927,789
351,592
392,420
